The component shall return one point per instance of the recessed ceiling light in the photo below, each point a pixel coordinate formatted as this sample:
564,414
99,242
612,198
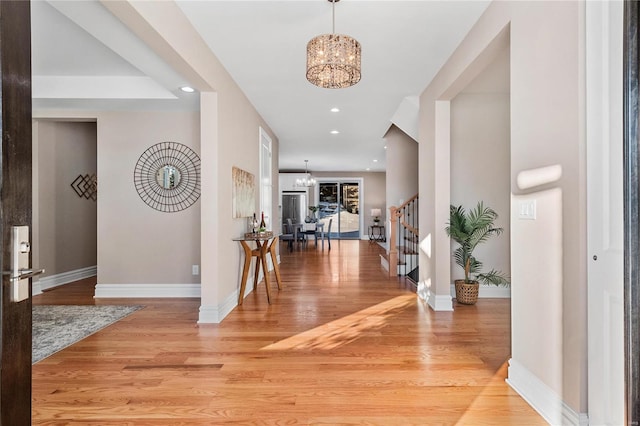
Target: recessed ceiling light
187,89
334,132
375,161
335,109
385,147
368,168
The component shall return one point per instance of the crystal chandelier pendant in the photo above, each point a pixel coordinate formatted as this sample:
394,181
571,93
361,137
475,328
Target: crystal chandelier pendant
333,60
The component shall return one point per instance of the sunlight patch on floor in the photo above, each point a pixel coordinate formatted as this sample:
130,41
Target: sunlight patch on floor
489,406
346,329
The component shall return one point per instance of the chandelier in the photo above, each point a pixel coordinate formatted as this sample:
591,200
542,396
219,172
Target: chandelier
333,60
307,180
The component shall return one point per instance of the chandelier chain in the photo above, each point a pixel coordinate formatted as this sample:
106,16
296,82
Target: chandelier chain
333,10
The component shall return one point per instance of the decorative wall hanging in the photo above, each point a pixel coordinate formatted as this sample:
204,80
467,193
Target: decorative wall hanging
243,194
86,186
167,177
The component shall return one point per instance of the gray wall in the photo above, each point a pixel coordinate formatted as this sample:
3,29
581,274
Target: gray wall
402,167
66,223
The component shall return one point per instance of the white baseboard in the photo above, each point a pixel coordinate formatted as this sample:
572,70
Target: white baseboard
146,290
215,314
209,315
384,262
542,398
488,292
440,302
436,302
52,281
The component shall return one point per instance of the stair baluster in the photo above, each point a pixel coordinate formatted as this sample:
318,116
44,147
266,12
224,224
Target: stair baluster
403,239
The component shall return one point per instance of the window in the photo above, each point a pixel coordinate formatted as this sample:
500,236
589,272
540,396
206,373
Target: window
339,199
266,187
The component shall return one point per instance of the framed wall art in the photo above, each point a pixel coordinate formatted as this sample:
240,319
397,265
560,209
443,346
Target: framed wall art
244,193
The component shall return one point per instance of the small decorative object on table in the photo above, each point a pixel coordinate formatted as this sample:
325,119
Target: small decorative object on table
313,217
254,224
259,234
258,230
263,225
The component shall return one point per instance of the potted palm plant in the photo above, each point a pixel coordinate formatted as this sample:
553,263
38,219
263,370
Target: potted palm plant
470,229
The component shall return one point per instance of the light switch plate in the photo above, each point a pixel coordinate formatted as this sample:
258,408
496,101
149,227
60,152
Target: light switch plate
527,209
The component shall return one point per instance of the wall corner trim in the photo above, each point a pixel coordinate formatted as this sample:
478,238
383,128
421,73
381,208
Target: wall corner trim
440,302
437,302
146,290
542,398
209,315
215,314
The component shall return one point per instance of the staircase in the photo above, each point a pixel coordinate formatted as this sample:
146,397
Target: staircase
402,253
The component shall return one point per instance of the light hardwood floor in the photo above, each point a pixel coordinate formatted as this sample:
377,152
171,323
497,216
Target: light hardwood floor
341,344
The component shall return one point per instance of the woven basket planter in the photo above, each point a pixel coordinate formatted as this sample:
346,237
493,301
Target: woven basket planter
467,293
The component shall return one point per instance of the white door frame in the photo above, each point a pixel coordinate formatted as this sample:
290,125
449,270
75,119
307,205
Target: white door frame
605,235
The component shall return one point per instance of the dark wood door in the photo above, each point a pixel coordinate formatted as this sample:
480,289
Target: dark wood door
15,206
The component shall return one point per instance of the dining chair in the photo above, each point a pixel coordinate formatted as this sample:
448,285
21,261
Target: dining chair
301,237
310,229
287,235
327,233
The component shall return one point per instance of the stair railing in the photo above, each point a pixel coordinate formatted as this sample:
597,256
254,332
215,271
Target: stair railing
403,237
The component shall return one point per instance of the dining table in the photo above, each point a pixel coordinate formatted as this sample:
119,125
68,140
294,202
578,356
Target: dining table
266,243
305,227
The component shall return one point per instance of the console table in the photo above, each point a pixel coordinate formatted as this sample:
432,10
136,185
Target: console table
265,244
377,233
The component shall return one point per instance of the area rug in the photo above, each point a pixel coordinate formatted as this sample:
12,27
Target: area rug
57,326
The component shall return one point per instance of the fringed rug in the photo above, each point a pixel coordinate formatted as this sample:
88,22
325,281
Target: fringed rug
57,326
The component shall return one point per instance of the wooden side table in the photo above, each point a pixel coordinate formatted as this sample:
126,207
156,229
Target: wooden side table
378,237
264,245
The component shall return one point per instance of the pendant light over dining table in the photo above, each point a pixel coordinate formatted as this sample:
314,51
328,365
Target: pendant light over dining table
333,60
307,180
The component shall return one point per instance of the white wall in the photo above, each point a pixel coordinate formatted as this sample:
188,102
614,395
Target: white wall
548,271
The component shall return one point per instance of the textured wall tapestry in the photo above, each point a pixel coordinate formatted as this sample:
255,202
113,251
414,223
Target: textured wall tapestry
243,196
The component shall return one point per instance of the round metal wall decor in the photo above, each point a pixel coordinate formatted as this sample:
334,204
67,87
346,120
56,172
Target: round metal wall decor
167,177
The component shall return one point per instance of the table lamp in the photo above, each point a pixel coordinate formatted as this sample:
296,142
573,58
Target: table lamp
376,213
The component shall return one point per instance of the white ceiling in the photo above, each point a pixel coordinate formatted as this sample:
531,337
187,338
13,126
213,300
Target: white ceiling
83,57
